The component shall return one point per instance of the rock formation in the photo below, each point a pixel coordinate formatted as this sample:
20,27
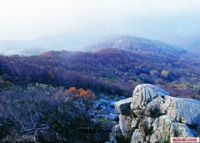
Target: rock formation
151,115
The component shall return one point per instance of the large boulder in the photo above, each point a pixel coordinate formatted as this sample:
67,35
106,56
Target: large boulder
145,93
123,109
152,115
181,130
183,110
161,129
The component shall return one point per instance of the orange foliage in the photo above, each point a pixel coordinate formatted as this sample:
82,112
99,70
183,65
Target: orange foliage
80,92
72,90
83,92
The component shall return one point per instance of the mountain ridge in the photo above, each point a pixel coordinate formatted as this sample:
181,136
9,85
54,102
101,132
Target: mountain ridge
132,43
40,45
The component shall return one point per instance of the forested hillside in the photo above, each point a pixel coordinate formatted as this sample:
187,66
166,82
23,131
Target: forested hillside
113,71
63,96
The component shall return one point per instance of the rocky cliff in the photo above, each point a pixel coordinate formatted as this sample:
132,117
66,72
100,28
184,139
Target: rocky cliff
152,115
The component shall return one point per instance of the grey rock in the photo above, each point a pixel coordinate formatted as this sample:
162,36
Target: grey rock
145,125
183,110
153,109
181,130
134,123
144,93
138,113
151,115
125,124
137,137
161,129
116,130
123,106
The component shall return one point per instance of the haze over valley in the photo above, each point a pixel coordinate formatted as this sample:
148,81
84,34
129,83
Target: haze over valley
34,27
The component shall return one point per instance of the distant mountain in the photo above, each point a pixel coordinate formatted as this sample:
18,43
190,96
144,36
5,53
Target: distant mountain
138,44
43,44
79,43
191,44
29,47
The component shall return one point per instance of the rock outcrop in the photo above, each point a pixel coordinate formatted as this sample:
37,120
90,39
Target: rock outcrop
152,115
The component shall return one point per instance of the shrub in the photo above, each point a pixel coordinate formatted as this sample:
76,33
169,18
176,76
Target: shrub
43,118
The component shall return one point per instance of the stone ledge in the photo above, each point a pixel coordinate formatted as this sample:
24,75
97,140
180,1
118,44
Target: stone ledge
123,106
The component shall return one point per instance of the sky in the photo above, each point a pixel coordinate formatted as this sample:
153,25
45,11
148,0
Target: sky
160,19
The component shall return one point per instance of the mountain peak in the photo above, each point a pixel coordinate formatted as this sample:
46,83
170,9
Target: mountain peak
131,43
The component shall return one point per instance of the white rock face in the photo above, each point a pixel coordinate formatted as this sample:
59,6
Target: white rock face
144,93
161,129
125,124
134,123
151,115
181,130
184,110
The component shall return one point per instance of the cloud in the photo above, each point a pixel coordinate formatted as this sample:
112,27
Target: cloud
27,19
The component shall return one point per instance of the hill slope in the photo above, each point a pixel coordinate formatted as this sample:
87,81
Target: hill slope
108,70
138,44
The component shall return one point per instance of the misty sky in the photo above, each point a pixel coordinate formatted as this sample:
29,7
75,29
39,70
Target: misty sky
29,19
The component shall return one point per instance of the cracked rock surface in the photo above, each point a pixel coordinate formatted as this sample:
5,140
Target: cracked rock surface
151,115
